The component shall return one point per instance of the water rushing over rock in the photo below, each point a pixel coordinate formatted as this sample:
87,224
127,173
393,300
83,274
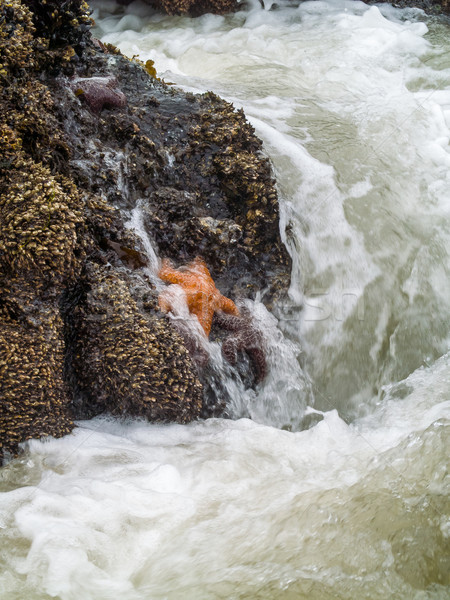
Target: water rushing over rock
353,105
91,139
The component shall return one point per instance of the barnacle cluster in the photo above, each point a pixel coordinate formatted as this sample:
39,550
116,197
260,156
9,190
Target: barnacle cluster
26,102
40,254
38,32
40,216
10,146
129,362
16,37
34,398
54,234
244,174
61,23
193,7
27,107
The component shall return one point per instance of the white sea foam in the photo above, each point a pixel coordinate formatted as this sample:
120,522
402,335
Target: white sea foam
148,510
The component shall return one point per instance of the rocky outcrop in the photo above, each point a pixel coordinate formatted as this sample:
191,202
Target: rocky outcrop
432,7
192,7
192,162
220,7
86,136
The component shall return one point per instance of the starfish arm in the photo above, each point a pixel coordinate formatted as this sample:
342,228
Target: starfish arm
204,313
258,358
228,306
227,321
229,349
200,266
169,274
202,296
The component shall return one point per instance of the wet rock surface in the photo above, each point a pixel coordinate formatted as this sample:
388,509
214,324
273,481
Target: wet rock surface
198,7
85,136
192,7
131,355
194,164
432,7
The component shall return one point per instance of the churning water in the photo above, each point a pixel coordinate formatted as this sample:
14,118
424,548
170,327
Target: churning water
353,105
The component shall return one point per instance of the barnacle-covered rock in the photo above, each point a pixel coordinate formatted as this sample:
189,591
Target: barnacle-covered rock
80,330
433,7
244,175
40,219
40,254
195,166
34,397
61,23
10,146
16,37
126,361
28,106
228,210
192,7
198,7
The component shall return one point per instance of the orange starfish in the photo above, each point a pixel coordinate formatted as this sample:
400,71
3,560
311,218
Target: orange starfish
202,296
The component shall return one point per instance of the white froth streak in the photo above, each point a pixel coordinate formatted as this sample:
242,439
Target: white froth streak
136,224
317,205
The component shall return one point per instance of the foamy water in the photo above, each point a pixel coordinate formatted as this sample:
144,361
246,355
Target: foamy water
353,106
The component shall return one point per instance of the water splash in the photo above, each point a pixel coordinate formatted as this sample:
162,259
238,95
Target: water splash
136,224
281,398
